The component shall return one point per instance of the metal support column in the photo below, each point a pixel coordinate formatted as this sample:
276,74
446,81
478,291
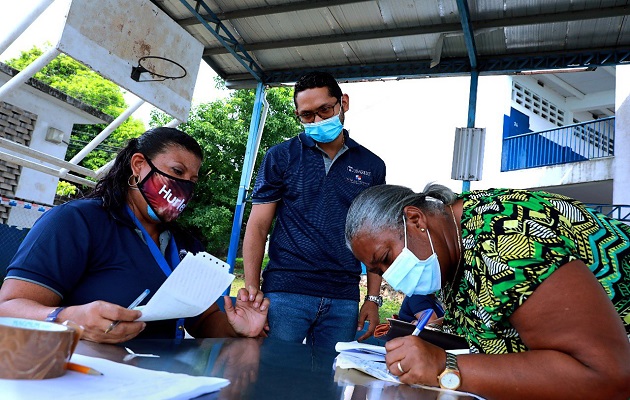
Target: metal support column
104,134
22,25
472,109
471,49
253,142
28,72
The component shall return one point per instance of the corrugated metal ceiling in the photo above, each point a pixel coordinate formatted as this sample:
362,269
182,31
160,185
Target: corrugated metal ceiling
275,41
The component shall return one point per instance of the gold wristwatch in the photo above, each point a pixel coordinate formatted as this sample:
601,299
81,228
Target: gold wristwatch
450,377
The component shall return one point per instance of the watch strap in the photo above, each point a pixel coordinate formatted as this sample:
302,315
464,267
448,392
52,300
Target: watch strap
52,317
375,299
452,369
451,361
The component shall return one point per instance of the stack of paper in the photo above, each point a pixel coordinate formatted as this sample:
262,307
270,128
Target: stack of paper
370,359
119,381
191,289
367,358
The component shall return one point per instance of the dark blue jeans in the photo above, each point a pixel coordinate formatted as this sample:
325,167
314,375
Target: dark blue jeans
321,320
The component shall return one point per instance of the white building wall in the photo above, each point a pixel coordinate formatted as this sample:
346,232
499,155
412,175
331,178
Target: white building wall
621,169
33,185
493,102
498,101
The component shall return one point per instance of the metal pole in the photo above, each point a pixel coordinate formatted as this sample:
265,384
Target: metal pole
43,168
24,24
174,123
28,72
106,132
253,141
472,109
40,156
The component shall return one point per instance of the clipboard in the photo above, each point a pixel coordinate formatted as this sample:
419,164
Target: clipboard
445,340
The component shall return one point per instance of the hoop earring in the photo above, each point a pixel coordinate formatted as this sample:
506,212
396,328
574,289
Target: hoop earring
133,185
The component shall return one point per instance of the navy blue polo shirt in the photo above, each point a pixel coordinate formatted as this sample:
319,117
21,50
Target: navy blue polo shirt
307,248
84,253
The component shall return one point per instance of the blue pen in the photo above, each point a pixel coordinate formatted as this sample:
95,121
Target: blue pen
133,305
422,321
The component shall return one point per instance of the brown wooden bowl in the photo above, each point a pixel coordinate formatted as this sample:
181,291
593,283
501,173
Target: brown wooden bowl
31,349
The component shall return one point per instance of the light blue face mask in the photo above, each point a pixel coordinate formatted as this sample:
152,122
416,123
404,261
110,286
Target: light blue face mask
411,275
325,131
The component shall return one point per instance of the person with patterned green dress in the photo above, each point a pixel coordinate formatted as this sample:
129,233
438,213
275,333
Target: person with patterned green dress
537,284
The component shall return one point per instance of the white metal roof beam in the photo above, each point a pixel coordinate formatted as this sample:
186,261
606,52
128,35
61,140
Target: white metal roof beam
272,9
429,29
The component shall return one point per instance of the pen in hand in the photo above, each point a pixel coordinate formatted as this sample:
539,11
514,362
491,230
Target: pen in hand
422,321
131,306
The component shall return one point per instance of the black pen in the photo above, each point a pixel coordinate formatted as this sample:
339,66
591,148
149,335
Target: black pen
131,306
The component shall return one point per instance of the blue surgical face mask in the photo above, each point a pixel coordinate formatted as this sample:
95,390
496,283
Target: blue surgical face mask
325,131
411,275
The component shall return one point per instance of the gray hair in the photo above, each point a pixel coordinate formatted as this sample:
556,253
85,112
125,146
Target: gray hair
380,207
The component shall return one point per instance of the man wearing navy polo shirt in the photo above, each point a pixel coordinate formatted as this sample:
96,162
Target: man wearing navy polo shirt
307,184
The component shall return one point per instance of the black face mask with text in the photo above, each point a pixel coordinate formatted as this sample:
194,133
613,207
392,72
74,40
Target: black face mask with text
166,195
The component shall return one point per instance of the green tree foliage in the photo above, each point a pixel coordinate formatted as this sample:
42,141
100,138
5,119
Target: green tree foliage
66,189
222,129
75,79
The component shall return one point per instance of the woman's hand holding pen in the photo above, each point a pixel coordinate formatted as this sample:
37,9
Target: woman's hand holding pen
415,361
97,316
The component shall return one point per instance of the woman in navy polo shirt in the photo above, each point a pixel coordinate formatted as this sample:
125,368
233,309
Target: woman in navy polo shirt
88,259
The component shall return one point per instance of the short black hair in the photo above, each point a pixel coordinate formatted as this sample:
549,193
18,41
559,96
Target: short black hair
317,79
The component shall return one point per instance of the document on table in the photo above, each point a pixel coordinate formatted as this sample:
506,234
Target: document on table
192,287
363,351
119,381
370,359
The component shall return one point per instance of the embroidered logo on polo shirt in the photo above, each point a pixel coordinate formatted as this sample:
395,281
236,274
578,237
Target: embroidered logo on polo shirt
359,176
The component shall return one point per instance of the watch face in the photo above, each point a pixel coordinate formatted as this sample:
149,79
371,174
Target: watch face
450,380
376,299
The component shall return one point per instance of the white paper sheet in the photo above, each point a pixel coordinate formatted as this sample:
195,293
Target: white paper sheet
192,287
360,347
377,369
372,352
364,351
119,381
370,359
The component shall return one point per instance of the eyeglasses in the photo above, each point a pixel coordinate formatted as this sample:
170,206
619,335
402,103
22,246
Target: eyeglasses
323,112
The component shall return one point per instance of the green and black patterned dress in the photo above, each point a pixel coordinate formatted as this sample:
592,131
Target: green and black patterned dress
513,240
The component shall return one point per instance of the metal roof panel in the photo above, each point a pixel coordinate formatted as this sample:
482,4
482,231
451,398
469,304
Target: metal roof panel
281,38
